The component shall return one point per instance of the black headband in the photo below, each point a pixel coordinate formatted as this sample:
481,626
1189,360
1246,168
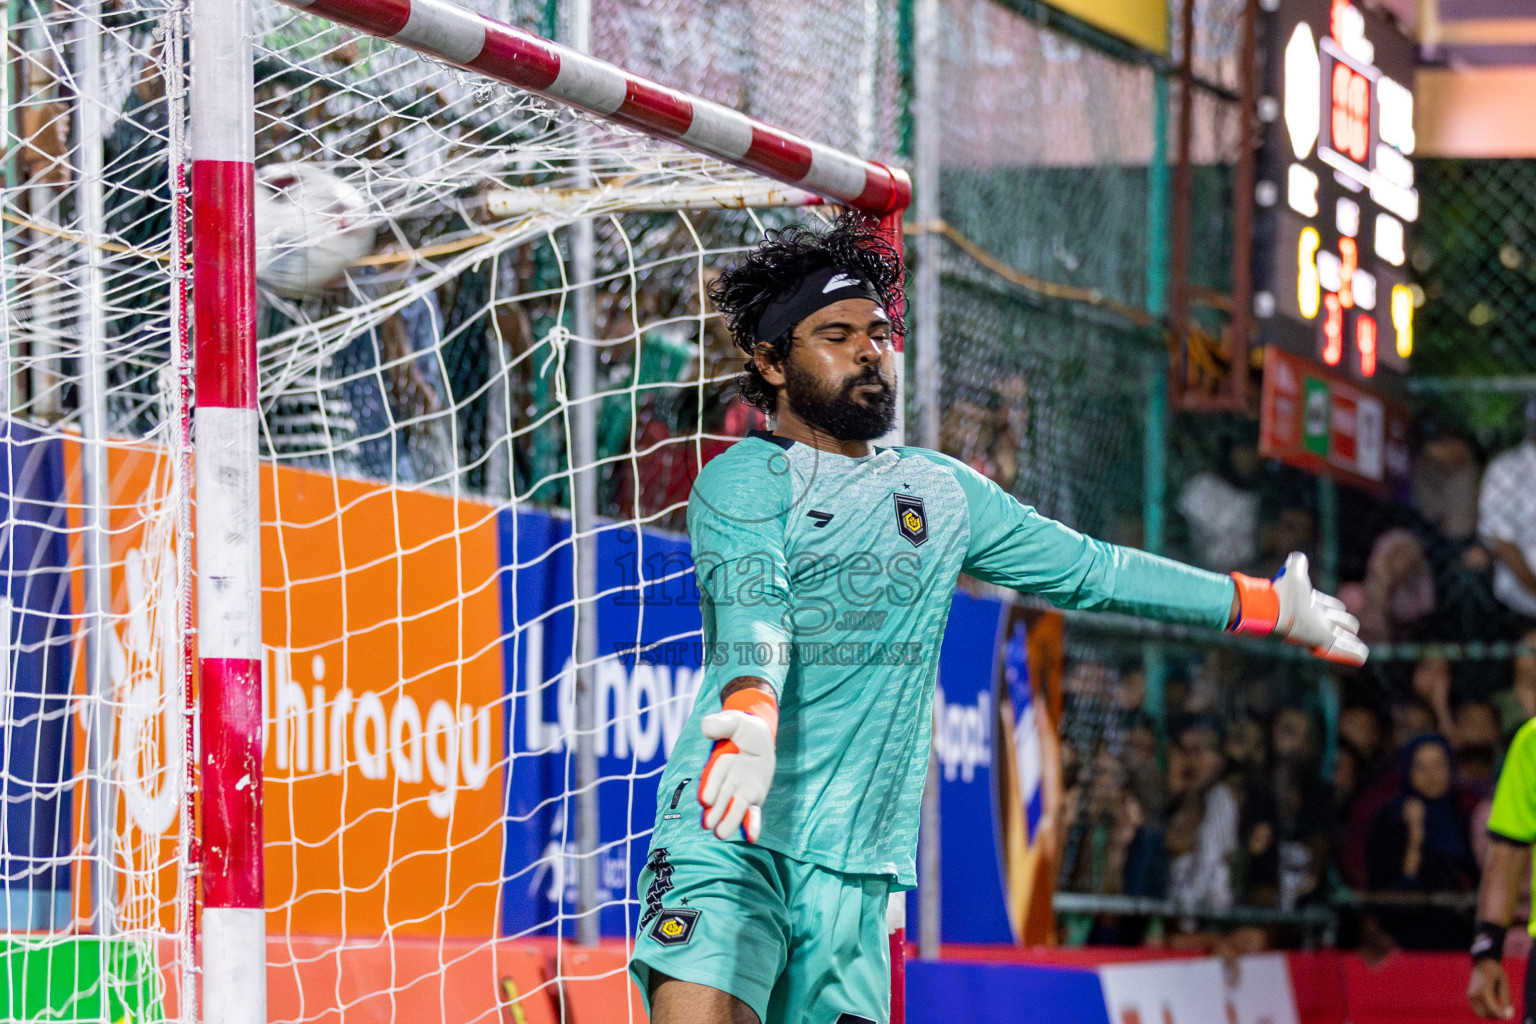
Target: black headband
817,290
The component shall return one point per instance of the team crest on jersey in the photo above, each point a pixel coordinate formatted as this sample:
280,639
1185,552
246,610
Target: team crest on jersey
674,927
911,520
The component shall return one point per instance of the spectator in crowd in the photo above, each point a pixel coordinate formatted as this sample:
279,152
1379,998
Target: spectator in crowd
1140,759
987,431
1517,705
1111,847
1419,844
653,423
1446,476
1222,510
1399,587
1431,683
1114,849
1293,528
1475,736
1506,522
1287,813
1245,751
1410,718
1346,786
1096,808
1202,822
1360,729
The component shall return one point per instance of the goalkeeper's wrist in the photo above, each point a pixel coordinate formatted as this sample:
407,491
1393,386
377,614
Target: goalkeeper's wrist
1258,605
755,701
1488,942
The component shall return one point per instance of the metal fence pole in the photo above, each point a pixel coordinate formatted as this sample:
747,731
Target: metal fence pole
926,156
1326,574
1155,423
1327,578
93,472
583,525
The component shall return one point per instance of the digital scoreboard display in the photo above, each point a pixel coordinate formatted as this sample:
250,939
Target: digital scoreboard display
1336,193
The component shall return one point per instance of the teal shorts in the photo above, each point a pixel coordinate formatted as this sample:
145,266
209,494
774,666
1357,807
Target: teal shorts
798,943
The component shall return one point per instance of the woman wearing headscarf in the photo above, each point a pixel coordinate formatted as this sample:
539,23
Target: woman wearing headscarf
1418,844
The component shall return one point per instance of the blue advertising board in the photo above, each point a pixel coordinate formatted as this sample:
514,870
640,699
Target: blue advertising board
648,670
973,907
36,620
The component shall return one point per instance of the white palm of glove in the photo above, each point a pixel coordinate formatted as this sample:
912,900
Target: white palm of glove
739,773
1311,618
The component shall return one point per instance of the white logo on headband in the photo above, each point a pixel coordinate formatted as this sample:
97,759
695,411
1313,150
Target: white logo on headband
841,281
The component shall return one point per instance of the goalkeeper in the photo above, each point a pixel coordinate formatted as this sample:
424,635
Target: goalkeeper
825,568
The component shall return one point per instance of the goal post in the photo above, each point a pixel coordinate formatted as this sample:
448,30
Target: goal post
246,384
227,526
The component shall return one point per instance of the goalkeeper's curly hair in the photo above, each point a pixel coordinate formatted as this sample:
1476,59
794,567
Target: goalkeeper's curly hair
779,263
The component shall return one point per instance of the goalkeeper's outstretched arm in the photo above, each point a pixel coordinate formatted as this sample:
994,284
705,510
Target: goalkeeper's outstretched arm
1014,546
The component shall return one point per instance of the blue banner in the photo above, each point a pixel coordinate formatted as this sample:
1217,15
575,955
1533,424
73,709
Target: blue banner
965,714
649,650
35,617
1009,993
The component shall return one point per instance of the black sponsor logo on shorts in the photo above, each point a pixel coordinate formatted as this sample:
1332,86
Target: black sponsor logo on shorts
674,927
661,883
911,520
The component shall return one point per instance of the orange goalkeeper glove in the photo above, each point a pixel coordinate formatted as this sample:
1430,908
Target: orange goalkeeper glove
739,772
1288,607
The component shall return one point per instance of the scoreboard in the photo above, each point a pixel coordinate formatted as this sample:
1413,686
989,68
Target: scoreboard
1336,195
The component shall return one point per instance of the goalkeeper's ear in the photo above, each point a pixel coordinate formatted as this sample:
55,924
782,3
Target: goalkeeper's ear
769,362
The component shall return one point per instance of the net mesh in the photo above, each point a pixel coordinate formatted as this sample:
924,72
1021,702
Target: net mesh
94,735
421,344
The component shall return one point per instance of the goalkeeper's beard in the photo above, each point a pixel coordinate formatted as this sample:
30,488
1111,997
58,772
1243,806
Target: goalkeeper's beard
837,410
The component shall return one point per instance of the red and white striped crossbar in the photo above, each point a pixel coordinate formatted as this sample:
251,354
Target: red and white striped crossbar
509,55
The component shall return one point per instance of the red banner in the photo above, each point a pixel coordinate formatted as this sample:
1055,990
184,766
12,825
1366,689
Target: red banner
1316,420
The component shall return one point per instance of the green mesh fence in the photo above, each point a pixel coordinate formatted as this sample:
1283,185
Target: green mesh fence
1474,257
1047,148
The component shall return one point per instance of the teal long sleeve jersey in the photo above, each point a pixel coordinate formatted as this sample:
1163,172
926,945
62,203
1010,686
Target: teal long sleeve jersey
831,578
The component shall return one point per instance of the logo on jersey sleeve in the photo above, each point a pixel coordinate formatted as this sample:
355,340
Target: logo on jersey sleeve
674,927
911,521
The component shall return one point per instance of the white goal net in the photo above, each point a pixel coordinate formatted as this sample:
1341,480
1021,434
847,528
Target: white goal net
481,317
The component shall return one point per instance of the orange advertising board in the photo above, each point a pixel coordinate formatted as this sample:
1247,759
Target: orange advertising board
384,686
383,692
147,767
